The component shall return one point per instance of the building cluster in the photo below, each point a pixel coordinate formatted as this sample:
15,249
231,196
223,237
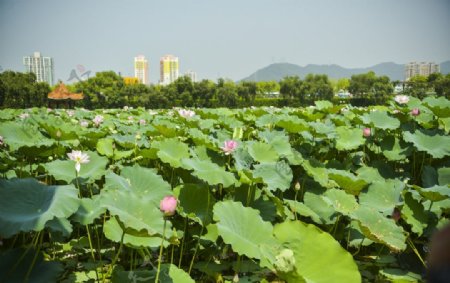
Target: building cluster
168,70
43,67
420,69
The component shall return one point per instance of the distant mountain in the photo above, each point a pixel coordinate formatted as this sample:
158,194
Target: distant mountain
278,71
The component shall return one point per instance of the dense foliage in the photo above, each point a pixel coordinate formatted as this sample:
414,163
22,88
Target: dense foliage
319,194
108,90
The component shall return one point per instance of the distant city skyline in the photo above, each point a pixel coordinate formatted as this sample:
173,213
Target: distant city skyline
229,39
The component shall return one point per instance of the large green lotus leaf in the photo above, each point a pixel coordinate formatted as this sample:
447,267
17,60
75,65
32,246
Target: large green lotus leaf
171,273
65,169
209,172
318,256
316,203
278,140
61,225
274,175
356,238
292,124
380,229
141,276
400,276
26,205
414,214
303,210
394,149
435,193
443,176
14,266
134,211
262,152
429,177
435,145
89,210
382,196
197,200
381,120
349,138
369,174
346,180
24,134
172,151
234,222
242,160
445,124
341,201
105,147
114,232
143,182
440,106
318,173
323,104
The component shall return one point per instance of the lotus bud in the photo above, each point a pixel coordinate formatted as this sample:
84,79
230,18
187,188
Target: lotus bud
297,186
396,215
236,278
367,132
168,205
415,112
58,134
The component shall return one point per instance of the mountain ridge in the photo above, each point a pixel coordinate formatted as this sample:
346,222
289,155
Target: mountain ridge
277,71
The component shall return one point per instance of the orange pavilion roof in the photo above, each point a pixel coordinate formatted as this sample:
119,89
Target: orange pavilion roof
62,93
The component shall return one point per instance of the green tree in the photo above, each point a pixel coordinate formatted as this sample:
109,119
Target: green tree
20,90
370,87
290,87
316,87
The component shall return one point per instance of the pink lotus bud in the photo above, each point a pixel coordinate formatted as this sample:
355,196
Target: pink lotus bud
396,215
168,205
142,122
415,112
229,146
366,132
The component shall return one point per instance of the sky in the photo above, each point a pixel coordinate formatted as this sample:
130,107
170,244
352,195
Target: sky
222,38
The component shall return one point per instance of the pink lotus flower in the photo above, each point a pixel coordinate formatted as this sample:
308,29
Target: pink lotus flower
186,113
367,132
415,112
142,122
168,205
98,119
79,158
401,99
229,146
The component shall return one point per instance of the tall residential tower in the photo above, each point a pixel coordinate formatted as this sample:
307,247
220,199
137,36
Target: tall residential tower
141,69
423,69
41,66
168,69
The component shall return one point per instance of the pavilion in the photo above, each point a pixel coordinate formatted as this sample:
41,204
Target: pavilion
61,96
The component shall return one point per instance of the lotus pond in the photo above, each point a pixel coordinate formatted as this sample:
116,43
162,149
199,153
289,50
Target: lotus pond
320,194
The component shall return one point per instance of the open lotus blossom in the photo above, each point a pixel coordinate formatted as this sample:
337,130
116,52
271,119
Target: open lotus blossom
401,99
125,108
98,119
229,146
367,132
79,158
142,122
1,141
84,124
415,112
186,113
24,116
168,205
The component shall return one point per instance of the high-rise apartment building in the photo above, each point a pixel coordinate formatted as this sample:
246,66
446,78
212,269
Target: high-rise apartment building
420,68
192,75
168,69
141,69
42,67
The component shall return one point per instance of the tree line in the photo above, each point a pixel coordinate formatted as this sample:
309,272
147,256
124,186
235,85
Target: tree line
108,90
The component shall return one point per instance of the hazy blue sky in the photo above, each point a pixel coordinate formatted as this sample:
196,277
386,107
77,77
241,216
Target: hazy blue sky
231,38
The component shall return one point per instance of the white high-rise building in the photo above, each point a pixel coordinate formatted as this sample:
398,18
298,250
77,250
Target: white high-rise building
141,69
192,75
423,69
168,69
42,67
